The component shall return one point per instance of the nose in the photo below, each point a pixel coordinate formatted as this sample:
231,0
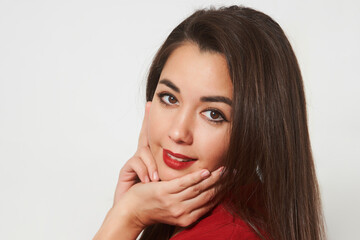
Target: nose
181,128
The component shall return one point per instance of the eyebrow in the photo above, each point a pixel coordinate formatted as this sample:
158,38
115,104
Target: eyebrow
216,99
170,85
202,99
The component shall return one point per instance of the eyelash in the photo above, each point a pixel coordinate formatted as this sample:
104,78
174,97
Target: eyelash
161,95
166,94
222,116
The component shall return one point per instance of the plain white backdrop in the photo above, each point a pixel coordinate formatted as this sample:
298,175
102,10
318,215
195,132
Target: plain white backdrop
72,80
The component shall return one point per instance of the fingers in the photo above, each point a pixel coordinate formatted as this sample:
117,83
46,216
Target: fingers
196,197
199,200
192,179
186,213
143,141
136,165
197,189
142,165
132,171
144,153
147,158
180,201
179,184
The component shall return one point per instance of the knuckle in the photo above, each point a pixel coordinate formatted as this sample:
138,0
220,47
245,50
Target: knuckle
145,149
135,159
196,190
140,151
131,160
165,203
142,171
209,195
177,212
185,221
181,183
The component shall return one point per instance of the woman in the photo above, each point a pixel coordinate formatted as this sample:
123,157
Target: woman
224,89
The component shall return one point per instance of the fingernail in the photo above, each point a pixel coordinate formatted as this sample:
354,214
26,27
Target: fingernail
205,173
155,176
222,170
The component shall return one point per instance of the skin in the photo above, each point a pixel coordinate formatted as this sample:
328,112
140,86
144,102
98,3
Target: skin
182,123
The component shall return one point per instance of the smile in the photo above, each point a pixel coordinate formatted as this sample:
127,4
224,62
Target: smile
177,161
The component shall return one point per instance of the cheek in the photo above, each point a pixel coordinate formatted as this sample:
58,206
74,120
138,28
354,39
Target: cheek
212,148
157,129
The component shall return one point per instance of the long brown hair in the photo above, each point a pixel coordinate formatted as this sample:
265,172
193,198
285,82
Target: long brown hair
269,156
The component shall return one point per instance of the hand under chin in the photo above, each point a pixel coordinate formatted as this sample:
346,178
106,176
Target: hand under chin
170,174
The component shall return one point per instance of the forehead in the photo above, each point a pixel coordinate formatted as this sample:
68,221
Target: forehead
189,67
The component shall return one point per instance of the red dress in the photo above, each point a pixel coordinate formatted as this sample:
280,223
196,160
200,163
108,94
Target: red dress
219,225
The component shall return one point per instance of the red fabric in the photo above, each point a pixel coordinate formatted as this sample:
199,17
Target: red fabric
219,225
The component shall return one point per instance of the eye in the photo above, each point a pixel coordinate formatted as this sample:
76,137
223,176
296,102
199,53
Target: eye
168,98
214,115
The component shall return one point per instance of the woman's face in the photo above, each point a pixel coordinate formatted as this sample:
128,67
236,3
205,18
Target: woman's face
189,118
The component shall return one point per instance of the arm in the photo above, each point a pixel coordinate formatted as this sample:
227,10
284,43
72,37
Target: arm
118,225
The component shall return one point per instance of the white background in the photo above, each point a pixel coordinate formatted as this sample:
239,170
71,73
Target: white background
72,76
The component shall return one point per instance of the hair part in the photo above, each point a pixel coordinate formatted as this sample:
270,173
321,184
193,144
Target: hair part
269,155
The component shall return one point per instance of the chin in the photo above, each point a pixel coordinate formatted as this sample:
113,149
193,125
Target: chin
167,174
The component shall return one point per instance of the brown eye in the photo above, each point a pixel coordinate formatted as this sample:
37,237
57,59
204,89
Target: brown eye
172,99
168,99
214,115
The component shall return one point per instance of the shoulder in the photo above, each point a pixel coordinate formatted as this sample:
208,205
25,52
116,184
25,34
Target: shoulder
216,225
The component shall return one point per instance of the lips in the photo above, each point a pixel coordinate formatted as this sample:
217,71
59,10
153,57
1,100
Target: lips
177,161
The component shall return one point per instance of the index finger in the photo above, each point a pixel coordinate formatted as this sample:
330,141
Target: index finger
143,140
179,184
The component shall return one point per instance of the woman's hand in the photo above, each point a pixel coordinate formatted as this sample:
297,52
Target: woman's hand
141,167
178,202
136,205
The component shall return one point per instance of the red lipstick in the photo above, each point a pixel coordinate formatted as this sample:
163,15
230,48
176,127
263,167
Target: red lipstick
177,161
